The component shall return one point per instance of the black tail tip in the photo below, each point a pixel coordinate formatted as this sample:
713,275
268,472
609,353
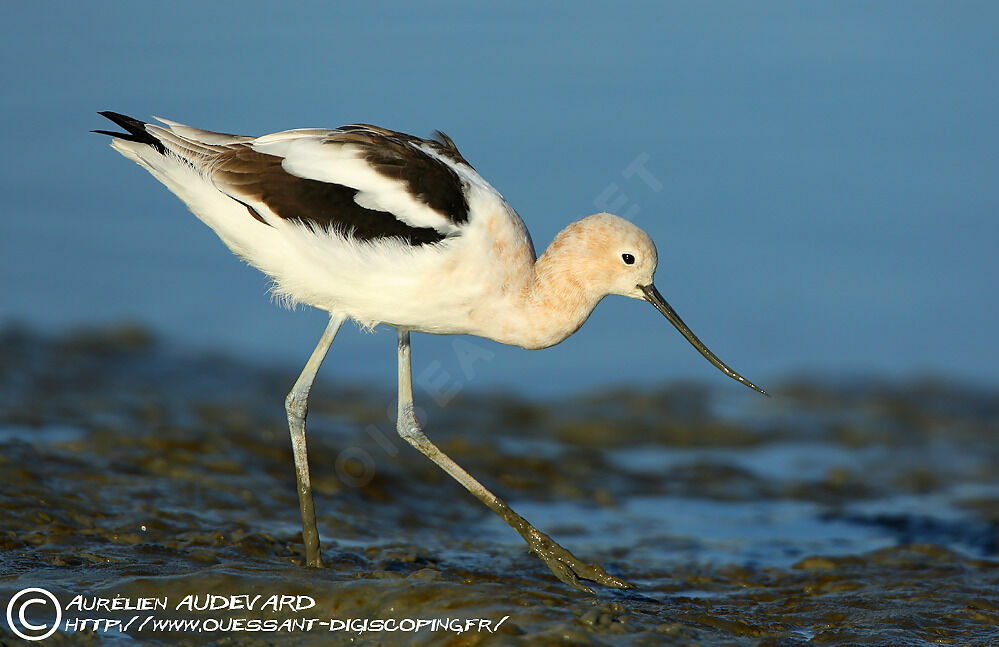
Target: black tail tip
135,130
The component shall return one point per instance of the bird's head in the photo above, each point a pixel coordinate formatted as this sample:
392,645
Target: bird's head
615,256
620,258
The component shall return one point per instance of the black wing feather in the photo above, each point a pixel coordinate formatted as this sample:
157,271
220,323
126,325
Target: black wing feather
249,176
135,130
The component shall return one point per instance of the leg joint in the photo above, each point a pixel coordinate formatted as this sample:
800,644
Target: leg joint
296,406
408,427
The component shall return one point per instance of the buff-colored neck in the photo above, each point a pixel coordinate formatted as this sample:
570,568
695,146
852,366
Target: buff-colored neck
557,295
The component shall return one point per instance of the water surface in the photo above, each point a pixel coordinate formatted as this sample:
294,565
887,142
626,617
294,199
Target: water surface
835,514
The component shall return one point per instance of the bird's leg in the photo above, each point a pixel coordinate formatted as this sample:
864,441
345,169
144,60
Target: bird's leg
566,566
297,406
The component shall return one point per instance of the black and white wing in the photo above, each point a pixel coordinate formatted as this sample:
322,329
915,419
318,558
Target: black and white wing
359,181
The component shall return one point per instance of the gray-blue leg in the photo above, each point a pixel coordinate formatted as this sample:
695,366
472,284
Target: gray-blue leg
297,406
566,566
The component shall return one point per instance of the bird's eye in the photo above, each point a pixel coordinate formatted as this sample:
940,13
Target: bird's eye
628,259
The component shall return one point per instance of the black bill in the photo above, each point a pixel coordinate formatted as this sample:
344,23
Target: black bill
652,296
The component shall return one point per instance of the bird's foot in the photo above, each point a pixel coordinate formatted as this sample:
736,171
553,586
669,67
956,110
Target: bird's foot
569,568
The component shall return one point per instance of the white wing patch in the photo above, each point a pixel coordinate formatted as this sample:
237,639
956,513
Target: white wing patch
307,156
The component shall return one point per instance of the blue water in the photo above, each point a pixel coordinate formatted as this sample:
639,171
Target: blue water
820,178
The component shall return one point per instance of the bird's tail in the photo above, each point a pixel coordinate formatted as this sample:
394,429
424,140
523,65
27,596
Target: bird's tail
135,130
192,145
180,157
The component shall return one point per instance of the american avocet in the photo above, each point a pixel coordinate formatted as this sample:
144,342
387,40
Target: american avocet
378,226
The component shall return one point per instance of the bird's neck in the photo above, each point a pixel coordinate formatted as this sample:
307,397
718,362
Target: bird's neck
555,302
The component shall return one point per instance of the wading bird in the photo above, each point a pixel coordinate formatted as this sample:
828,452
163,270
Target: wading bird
382,227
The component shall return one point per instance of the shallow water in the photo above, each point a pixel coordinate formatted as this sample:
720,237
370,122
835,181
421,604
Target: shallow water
830,514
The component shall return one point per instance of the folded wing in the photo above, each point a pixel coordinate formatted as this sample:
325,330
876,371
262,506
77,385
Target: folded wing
357,181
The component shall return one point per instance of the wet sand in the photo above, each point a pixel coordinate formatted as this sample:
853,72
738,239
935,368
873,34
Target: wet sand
860,513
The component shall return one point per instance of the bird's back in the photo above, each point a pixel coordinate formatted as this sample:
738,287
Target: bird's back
379,225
